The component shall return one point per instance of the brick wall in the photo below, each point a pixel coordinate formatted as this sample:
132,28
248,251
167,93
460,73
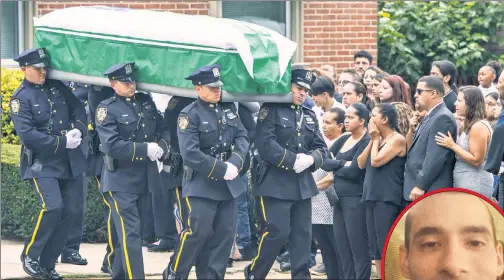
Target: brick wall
334,31
185,7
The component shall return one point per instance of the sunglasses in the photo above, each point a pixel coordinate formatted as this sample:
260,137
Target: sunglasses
419,91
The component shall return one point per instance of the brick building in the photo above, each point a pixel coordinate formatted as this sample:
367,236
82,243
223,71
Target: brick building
327,32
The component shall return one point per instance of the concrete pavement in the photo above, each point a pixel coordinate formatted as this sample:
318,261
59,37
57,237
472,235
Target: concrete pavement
154,263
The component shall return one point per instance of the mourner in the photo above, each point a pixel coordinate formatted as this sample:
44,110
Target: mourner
50,122
130,128
290,146
213,144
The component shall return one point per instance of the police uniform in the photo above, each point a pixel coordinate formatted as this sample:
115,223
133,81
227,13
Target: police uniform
42,117
70,253
97,94
284,131
211,136
127,127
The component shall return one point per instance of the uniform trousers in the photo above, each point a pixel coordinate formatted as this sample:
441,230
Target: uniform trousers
284,220
112,241
128,258
351,237
207,239
324,235
181,215
51,226
380,217
75,235
162,209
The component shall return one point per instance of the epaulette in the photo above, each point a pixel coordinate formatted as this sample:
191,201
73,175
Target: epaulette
107,101
309,109
17,91
188,108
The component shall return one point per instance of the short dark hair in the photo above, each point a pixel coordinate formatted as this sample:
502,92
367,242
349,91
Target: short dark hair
446,68
407,228
434,83
362,112
322,84
340,116
364,54
494,95
389,110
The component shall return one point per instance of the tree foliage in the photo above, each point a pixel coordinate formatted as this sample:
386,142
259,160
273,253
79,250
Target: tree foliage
11,79
413,34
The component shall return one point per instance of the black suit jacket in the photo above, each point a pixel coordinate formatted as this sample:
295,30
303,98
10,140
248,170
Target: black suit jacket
429,166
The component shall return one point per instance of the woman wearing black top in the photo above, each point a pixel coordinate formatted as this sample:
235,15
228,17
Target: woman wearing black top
447,71
349,221
384,160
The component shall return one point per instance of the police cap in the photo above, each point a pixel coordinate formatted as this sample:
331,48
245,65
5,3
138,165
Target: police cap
302,77
121,72
207,75
36,57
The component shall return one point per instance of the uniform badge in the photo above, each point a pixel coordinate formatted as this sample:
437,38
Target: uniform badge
101,114
183,122
231,115
309,76
128,69
41,53
216,72
173,103
263,113
15,106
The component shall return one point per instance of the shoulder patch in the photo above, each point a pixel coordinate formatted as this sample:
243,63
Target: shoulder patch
101,114
263,113
183,122
174,101
14,104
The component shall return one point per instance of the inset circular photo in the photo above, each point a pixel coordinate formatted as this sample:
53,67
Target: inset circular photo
446,234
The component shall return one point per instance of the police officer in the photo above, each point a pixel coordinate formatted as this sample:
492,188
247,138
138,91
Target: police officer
130,128
213,145
70,253
96,94
290,147
50,122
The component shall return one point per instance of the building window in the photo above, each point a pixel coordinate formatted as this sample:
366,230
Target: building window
10,31
274,15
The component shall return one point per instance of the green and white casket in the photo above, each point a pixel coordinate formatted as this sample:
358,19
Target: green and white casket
83,42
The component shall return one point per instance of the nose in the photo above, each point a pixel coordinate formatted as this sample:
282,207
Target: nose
454,261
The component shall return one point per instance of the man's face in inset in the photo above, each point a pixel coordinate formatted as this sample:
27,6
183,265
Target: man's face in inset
361,64
451,236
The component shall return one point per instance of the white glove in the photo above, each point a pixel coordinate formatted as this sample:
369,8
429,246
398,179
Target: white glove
72,142
75,133
231,171
302,162
154,152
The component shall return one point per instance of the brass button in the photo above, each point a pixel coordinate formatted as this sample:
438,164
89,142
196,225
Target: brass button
54,111
145,136
61,122
283,166
136,158
141,158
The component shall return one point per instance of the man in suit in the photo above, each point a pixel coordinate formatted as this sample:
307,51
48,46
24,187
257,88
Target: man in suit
430,166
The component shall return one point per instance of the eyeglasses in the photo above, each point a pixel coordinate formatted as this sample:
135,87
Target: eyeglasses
419,91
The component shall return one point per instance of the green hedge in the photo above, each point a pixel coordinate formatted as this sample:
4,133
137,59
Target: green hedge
19,203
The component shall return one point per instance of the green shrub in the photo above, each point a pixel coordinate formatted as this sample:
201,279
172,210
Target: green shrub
19,203
11,79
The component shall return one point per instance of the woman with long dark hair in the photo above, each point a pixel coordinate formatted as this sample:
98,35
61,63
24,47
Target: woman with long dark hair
472,144
394,89
383,159
448,72
349,219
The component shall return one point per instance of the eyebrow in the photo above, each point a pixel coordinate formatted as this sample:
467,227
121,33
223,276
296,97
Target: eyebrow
476,229
424,231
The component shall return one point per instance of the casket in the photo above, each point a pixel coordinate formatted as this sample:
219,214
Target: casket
83,42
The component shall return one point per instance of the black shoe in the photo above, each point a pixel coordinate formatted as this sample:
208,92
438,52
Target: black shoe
230,263
52,274
147,242
284,257
246,272
74,258
160,248
106,269
22,257
285,266
168,274
33,268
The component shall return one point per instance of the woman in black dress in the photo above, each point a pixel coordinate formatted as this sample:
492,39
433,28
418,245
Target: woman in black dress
384,159
349,221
